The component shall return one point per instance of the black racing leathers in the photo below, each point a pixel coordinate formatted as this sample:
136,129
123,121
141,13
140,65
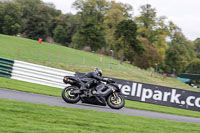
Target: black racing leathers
93,75
91,78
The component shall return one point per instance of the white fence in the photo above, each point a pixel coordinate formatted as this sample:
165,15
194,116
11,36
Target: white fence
38,74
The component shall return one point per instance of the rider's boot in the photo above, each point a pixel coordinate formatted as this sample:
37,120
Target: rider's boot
86,91
85,87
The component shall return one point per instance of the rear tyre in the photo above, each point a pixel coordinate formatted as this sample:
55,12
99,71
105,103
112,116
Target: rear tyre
116,103
67,95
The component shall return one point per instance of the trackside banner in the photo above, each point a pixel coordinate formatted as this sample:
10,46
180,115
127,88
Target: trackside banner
160,95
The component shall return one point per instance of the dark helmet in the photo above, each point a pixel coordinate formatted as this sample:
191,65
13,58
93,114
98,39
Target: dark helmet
98,71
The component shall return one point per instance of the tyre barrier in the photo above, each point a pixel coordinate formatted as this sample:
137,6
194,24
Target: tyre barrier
33,73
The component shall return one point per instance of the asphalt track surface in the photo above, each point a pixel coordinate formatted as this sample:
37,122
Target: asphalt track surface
56,101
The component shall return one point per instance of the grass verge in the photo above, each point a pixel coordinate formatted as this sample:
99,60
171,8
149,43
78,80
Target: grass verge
30,118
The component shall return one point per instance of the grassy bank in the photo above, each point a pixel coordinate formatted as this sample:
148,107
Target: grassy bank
29,118
78,61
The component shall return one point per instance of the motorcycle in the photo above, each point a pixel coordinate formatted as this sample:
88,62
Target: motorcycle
102,93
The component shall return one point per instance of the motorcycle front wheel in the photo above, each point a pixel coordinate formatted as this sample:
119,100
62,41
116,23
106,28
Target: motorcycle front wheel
116,102
68,96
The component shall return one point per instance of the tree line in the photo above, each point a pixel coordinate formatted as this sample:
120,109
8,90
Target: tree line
146,40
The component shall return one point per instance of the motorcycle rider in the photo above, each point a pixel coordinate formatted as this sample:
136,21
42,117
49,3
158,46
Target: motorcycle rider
92,78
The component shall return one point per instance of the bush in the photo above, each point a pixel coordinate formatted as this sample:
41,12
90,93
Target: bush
193,67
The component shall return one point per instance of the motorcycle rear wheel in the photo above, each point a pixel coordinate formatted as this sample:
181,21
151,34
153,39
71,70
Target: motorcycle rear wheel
116,103
67,95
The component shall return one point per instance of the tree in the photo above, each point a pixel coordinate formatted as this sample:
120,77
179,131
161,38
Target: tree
29,7
126,32
147,22
174,30
1,15
65,27
91,31
48,14
193,67
153,28
11,18
197,47
36,28
114,14
59,34
149,58
89,35
45,11
179,54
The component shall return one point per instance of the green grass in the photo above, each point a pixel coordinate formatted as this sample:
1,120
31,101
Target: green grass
78,61
40,89
22,117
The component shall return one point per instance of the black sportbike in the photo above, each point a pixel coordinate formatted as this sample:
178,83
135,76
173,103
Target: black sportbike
102,93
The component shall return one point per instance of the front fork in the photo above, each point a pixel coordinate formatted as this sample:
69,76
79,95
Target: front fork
115,95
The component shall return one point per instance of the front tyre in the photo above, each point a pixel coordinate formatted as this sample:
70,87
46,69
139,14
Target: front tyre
68,96
116,103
